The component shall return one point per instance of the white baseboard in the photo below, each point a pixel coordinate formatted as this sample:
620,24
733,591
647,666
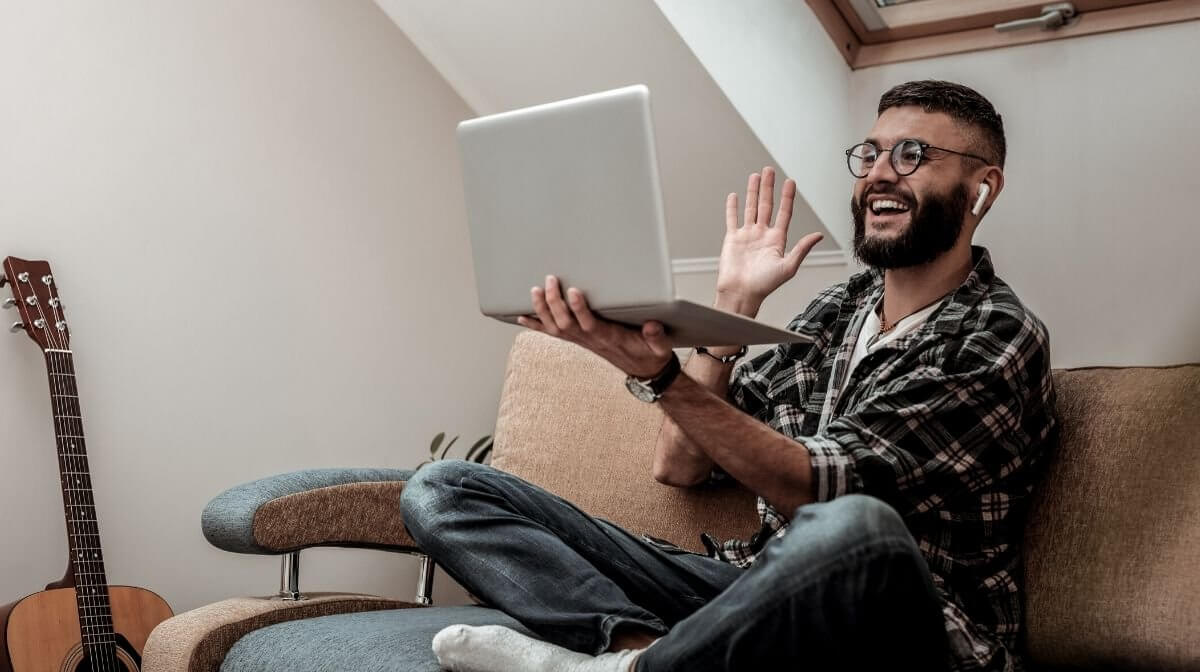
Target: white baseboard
709,264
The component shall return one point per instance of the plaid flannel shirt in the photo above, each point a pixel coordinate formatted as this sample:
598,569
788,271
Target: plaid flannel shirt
947,425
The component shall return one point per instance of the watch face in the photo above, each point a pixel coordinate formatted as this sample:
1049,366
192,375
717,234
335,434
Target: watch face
640,390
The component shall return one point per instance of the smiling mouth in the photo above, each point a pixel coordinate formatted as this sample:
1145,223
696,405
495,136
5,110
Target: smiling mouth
886,210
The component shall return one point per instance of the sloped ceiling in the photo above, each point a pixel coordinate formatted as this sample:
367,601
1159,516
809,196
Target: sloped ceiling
505,55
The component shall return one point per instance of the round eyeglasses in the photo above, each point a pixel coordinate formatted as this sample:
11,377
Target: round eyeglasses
906,156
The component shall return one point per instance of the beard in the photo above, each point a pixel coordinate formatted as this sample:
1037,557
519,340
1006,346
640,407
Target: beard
933,229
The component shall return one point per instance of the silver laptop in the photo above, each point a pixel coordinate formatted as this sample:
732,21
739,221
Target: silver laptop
571,189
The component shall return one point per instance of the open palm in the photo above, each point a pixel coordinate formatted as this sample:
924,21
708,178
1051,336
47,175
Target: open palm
754,258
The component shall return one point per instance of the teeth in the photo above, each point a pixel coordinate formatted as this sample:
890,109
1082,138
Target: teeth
884,203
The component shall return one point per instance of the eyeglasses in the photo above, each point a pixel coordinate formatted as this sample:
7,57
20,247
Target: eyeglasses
906,156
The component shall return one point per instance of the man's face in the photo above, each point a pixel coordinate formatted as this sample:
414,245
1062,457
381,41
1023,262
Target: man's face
935,195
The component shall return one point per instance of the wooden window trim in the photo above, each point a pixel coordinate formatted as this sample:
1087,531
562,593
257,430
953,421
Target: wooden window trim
845,29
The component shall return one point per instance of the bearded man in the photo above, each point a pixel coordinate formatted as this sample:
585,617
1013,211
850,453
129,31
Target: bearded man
893,455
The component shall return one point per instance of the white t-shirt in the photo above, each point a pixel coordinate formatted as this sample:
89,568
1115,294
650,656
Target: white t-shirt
868,343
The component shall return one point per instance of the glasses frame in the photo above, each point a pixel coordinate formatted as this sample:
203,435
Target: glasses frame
923,146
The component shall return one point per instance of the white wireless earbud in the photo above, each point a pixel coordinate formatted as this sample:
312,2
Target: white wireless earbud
984,190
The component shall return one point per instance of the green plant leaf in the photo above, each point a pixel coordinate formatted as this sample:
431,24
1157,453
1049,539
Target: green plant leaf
478,444
437,441
447,448
483,454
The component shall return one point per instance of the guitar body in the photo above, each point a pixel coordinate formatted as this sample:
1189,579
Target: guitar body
42,630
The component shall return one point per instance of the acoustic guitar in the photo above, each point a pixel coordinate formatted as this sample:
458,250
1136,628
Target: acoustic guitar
80,622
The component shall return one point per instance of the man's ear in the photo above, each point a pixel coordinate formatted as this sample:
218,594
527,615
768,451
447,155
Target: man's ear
993,177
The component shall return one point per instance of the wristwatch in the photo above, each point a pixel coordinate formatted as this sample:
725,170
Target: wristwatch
650,390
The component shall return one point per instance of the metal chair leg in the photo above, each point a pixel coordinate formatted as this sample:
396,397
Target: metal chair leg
425,581
289,577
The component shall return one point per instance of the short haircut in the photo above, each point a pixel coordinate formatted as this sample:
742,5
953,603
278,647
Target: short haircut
985,129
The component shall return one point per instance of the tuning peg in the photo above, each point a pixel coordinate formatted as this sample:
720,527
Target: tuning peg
9,303
17,327
3,279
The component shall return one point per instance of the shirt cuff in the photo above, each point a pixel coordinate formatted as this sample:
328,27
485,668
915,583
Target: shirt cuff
832,468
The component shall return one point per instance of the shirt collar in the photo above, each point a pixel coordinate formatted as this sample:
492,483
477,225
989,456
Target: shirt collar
867,286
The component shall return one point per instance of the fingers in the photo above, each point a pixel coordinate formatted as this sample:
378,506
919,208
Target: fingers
558,308
655,336
583,313
802,248
784,216
559,317
751,200
541,308
531,323
766,197
731,223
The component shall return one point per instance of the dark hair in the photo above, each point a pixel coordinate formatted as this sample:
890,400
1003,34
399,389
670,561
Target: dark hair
963,104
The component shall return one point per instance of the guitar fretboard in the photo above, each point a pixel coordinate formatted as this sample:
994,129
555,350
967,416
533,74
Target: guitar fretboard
79,505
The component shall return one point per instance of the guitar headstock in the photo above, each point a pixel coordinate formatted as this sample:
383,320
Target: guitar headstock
35,296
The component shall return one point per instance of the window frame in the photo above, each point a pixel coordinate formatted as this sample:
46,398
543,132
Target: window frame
930,28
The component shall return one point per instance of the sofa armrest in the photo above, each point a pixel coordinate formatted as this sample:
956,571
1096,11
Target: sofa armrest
198,640
316,507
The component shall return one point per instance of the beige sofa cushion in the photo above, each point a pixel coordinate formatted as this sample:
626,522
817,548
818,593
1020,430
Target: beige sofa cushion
1113,545
568,424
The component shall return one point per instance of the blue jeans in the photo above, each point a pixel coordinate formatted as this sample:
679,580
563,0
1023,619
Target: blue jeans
844,588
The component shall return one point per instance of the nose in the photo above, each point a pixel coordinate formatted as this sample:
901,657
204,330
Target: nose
882,170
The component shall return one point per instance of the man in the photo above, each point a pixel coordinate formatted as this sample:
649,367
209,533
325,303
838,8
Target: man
893,455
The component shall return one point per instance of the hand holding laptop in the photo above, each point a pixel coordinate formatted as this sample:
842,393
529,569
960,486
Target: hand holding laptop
640,353
752,265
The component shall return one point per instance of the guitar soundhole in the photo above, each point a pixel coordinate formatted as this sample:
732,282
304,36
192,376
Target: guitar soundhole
123,660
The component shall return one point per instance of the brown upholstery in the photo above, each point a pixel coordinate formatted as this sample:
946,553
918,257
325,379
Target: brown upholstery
362,513
567,423
1113,545
197,640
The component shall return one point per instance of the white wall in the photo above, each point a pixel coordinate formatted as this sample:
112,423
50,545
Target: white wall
1096,227
784,76
255,215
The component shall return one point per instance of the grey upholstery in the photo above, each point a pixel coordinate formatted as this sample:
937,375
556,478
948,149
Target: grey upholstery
393,640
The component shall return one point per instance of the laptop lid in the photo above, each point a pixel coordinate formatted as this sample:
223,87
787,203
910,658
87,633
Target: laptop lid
569,188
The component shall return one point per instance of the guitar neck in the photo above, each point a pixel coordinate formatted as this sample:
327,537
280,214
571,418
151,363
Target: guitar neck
79,505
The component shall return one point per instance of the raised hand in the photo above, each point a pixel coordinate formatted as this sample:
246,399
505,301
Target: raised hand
642,353
754,261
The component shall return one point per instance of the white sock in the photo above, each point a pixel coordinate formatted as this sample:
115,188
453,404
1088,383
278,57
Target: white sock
495,648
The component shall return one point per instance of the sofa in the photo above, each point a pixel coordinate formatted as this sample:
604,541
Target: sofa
1112,544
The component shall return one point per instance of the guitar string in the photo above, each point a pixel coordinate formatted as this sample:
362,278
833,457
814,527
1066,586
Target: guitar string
100,622
70,498
98,651
59,387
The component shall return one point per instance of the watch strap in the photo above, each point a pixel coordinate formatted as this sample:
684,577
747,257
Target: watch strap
663,379
727,359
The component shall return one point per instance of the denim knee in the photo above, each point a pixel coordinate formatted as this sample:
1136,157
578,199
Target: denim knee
864,514
430,489
843,524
